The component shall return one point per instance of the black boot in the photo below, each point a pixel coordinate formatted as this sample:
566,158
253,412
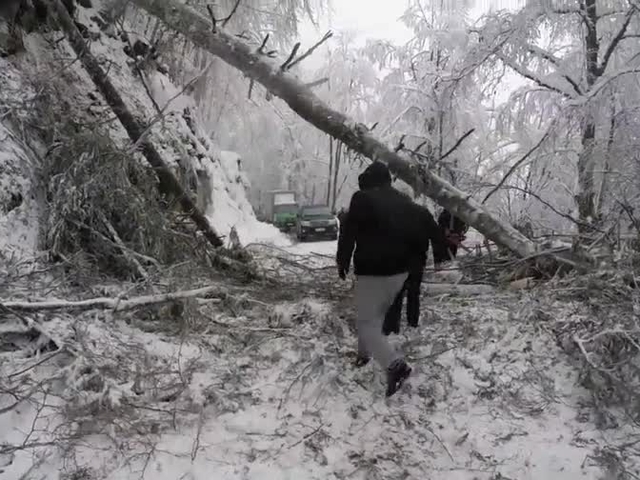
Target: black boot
361,360
358,359
397,373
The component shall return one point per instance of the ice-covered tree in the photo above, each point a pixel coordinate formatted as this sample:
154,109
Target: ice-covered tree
578,59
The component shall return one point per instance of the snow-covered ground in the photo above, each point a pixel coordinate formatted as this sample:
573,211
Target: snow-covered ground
269,392
327,248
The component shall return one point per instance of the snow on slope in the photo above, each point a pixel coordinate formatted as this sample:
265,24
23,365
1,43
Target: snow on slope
19,210
229,206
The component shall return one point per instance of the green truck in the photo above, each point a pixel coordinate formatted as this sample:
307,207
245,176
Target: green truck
281,209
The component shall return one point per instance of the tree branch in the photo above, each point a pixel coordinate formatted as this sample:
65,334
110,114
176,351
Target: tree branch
287,62
326,37
455,145
317,83
616,39
233,11
115,304
516,165
556,63
212,16
531,76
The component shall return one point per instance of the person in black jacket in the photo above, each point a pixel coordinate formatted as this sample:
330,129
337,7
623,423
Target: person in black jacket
381,228
432,233
363,184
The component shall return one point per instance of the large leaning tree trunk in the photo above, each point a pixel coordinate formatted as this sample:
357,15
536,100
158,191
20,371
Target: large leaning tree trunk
257,66
169,184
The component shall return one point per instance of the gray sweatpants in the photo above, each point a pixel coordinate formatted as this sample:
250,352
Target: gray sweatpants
374,296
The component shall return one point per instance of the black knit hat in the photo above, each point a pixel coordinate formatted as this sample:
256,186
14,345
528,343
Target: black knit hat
375,175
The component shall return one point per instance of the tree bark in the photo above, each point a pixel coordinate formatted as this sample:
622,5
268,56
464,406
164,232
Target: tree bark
336,171
330,170
168,181
249,60
586,195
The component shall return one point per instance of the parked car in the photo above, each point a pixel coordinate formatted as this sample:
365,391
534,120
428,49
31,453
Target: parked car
316,221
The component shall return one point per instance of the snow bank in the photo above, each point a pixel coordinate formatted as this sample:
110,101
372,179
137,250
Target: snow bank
18,208
19,212
230,206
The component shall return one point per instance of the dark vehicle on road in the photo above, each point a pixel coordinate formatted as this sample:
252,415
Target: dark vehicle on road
316,221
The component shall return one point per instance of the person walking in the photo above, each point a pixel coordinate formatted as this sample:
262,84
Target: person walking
379,235
430,233
454,230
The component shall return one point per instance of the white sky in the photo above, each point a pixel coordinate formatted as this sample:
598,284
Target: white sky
367,18
379,19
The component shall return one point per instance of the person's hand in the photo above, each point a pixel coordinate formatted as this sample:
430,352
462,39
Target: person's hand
454,239
342,272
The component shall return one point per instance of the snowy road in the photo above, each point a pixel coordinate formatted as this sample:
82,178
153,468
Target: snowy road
314,248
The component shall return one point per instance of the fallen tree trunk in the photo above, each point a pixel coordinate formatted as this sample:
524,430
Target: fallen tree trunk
260,68
115,304
457,289
168,181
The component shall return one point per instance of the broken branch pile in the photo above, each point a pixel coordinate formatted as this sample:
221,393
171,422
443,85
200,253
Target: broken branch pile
600,330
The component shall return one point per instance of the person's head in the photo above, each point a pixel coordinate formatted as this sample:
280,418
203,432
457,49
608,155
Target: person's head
363,181
375,175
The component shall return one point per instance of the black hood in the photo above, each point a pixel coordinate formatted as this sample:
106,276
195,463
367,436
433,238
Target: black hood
375,175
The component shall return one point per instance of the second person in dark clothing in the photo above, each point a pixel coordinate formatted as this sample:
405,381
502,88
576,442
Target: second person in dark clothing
454,230
428,232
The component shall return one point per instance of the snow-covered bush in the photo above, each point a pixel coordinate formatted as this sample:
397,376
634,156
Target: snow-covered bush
105,205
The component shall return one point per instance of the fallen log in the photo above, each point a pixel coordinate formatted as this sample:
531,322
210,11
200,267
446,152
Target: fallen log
457,289
169,184
105,303
256,65
522,284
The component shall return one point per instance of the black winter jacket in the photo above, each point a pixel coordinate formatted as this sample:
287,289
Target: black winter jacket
389,232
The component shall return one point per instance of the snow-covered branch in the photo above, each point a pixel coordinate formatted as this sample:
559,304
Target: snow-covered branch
616,39
115,304
557,63
529,75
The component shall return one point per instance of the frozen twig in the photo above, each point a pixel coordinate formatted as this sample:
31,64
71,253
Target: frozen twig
287,62
317,83
306,54
251,84
263,44
233,11
516,165
456,145
212,16
446,449
125,251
